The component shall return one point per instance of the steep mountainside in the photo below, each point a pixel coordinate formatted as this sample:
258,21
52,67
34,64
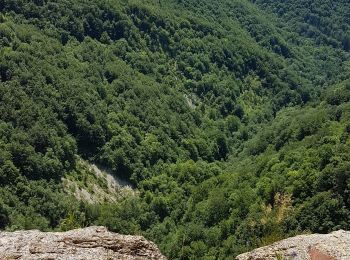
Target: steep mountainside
230,119
326,22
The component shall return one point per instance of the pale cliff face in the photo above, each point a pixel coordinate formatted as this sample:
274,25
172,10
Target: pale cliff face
90,243
332,246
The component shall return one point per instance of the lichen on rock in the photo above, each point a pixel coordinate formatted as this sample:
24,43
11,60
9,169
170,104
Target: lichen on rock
90,243
333,246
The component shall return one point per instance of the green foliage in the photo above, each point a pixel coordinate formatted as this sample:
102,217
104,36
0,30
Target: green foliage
231,118
327,22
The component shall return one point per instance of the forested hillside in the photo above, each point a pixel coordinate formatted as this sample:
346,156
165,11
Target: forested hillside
231,118
327,22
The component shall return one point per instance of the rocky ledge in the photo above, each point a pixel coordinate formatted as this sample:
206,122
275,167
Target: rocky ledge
332,246
86,243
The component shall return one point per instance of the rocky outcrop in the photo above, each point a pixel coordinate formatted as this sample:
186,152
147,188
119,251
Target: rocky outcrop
333,246
87,243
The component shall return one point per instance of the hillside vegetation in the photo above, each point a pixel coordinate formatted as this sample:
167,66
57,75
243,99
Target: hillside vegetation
230,118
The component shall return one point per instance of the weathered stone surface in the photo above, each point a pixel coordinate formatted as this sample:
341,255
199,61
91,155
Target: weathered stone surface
88,243
332,246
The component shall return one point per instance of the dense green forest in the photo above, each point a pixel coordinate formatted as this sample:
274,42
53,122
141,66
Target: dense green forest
231,118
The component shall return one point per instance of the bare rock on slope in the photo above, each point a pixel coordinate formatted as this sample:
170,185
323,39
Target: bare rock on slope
332,246
87,243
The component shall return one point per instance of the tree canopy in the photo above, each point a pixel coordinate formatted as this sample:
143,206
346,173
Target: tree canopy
231,118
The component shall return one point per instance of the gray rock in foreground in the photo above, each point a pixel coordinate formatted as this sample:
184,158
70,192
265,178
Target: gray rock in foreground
87,243
332,246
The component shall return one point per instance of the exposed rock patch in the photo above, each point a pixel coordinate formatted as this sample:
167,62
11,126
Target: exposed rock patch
113,182
332,246
90,243
95,184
